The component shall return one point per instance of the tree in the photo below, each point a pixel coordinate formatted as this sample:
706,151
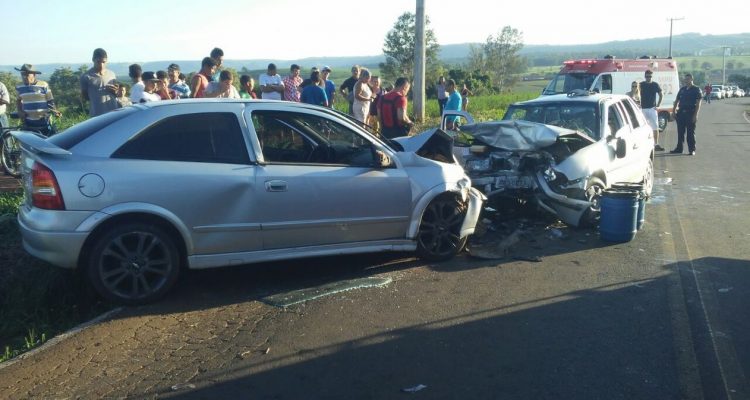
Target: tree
66,87
498,57
706,65
399,46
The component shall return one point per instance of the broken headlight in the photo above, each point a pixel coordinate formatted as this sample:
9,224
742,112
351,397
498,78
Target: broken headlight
549,174
478,165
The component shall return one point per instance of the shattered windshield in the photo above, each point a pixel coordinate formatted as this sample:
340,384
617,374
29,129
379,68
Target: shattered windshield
566,83
582,117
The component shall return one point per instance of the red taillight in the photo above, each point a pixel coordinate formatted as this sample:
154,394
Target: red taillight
45,193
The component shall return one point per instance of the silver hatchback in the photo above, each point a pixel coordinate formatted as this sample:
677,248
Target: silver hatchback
134,195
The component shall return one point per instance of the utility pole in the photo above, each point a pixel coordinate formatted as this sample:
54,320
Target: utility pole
724,64
419,64
671,21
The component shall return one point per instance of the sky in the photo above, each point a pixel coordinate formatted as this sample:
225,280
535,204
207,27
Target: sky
67,31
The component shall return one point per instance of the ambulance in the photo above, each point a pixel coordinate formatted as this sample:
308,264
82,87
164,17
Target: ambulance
610,75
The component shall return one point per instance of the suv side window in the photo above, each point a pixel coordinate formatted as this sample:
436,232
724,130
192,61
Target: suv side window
613,120
202,137
298,138
631,113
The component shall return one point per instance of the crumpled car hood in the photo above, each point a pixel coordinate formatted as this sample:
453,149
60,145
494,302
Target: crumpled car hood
433,144
518,134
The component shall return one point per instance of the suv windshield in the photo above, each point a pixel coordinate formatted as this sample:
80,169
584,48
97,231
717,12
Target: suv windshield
566,83
579,116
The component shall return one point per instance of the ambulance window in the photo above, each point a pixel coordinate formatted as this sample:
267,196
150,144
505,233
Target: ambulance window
606,83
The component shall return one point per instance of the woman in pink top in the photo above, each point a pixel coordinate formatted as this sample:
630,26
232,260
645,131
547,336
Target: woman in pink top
199,83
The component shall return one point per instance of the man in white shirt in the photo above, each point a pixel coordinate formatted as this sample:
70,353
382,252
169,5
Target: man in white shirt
271,84
136,91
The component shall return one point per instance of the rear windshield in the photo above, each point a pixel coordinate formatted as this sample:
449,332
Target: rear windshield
79,132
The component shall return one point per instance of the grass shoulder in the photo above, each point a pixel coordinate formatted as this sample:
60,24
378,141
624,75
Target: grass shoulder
37,300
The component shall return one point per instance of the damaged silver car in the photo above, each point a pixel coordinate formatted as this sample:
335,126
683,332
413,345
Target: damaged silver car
133,196
560,152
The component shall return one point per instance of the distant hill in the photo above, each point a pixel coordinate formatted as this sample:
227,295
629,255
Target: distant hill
687,44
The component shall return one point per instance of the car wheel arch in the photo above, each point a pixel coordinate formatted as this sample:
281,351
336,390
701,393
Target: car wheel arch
424,201
142,217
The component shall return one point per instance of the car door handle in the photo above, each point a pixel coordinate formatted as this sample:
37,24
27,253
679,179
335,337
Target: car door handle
276,186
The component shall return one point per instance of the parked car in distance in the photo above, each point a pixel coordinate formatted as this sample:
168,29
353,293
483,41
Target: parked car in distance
134,195
561,152
720,91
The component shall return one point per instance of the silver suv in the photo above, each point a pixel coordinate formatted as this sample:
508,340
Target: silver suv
561,152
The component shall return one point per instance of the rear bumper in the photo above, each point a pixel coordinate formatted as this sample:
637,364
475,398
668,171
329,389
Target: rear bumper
52,235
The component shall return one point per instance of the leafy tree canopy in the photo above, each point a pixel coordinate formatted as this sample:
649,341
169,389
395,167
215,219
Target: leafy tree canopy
399,46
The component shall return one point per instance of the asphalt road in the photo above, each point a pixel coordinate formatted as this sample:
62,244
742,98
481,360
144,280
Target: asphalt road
662,317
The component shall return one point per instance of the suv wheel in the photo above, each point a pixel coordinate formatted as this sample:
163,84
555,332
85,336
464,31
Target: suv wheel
134,264
438,237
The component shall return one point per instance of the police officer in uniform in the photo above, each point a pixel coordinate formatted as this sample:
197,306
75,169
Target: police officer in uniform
686,105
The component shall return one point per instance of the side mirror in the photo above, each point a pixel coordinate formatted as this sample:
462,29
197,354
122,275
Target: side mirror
620,148
382,160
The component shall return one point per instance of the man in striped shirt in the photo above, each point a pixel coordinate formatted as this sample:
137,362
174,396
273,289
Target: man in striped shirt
35,101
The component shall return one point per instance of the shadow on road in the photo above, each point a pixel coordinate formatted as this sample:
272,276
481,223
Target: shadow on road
608,342
613,342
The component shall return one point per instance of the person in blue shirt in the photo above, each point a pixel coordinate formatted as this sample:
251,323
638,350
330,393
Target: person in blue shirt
453,103
314,93
330,86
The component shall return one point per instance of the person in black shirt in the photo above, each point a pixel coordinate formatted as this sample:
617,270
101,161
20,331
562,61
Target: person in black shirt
649,105
686,105
347,88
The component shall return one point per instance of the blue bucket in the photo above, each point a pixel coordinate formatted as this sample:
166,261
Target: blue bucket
619,215
641,199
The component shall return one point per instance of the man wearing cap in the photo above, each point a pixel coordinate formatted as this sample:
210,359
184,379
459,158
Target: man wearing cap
292,84
152,91
180,88
35,101
99,86
330,87
271,85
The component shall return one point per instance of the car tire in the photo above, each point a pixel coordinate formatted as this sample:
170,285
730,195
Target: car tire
648,178
438,236
593,193
135,263
10,155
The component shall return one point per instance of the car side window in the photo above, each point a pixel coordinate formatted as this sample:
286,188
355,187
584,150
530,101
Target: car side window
288,137
200,137
613,120
631,113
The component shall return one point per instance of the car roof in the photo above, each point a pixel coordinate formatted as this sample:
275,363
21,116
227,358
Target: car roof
576,98
176,103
